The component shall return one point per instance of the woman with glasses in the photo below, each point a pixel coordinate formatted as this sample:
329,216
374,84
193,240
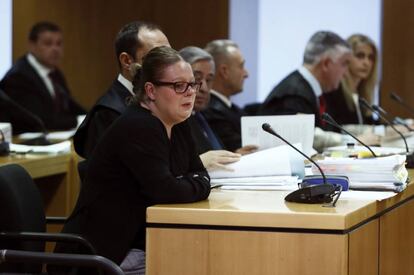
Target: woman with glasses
146,157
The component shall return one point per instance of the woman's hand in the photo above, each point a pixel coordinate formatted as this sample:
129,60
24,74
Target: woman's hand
217,159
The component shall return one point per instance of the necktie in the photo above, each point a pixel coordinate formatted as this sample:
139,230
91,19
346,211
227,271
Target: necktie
57,88
208,133
322,107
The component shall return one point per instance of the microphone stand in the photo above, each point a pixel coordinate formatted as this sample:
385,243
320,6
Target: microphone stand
410,157
328,119
266,127
320,191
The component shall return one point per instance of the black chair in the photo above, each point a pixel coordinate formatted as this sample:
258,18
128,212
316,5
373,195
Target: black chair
23,221
16,256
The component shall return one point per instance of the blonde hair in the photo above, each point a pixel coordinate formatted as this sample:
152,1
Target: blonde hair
366,87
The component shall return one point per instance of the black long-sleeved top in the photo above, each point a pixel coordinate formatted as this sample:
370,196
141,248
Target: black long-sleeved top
135,165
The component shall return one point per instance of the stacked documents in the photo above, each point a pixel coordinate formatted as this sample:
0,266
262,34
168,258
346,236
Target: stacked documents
382,173
58,148
269,169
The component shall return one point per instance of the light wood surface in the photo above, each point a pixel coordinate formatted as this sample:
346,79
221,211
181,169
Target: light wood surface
363,249
217,252
269,209
256,232
397,241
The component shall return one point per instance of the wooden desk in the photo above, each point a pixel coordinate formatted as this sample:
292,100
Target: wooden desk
56,177
257,232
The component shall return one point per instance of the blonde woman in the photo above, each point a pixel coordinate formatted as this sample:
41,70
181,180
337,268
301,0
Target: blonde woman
359,82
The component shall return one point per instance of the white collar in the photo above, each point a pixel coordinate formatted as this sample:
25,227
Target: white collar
126,83
311,79
41,69
223,98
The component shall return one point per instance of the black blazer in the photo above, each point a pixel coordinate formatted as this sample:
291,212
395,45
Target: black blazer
22,84
108,108
21,119
201,141
225,122
336,106
291,96
134,166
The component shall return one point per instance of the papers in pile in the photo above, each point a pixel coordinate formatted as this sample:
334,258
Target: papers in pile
269,169
382,173
58,148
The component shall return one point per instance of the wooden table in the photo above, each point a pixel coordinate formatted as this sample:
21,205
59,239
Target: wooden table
257,232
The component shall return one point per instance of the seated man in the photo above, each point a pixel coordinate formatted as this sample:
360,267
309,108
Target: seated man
325,61
223,115
133,41
36,83
207,143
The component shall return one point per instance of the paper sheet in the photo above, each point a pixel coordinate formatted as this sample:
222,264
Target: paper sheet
294,128
58,148
269,162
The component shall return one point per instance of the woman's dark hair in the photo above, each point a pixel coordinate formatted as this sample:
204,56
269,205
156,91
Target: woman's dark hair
152,69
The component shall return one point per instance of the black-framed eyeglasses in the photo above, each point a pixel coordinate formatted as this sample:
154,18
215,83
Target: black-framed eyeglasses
180,87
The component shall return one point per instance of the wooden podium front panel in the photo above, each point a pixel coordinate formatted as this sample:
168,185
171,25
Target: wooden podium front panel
397,240
363,249
226,252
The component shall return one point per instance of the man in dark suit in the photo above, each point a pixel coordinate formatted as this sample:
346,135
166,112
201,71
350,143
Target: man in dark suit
133,41
223,115
324,64
209,146
36,83
325,61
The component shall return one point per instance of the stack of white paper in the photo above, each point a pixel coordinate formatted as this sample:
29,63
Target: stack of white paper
382,173
379,151
268,169
58,148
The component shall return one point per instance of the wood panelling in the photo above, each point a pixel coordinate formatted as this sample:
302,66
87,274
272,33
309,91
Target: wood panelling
222,252
363,249
398,54
90,27
397,241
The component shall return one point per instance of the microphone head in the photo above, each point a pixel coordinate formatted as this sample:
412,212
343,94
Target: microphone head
364,102
266,126
395,97
376,108
326,117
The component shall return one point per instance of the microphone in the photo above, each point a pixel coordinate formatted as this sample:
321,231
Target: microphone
25,119
376,110
399,100
395,120
267,128
313,191
328,119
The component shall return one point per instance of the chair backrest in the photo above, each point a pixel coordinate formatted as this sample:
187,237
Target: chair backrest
21,207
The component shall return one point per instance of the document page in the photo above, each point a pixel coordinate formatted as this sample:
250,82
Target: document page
294,128
269,162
